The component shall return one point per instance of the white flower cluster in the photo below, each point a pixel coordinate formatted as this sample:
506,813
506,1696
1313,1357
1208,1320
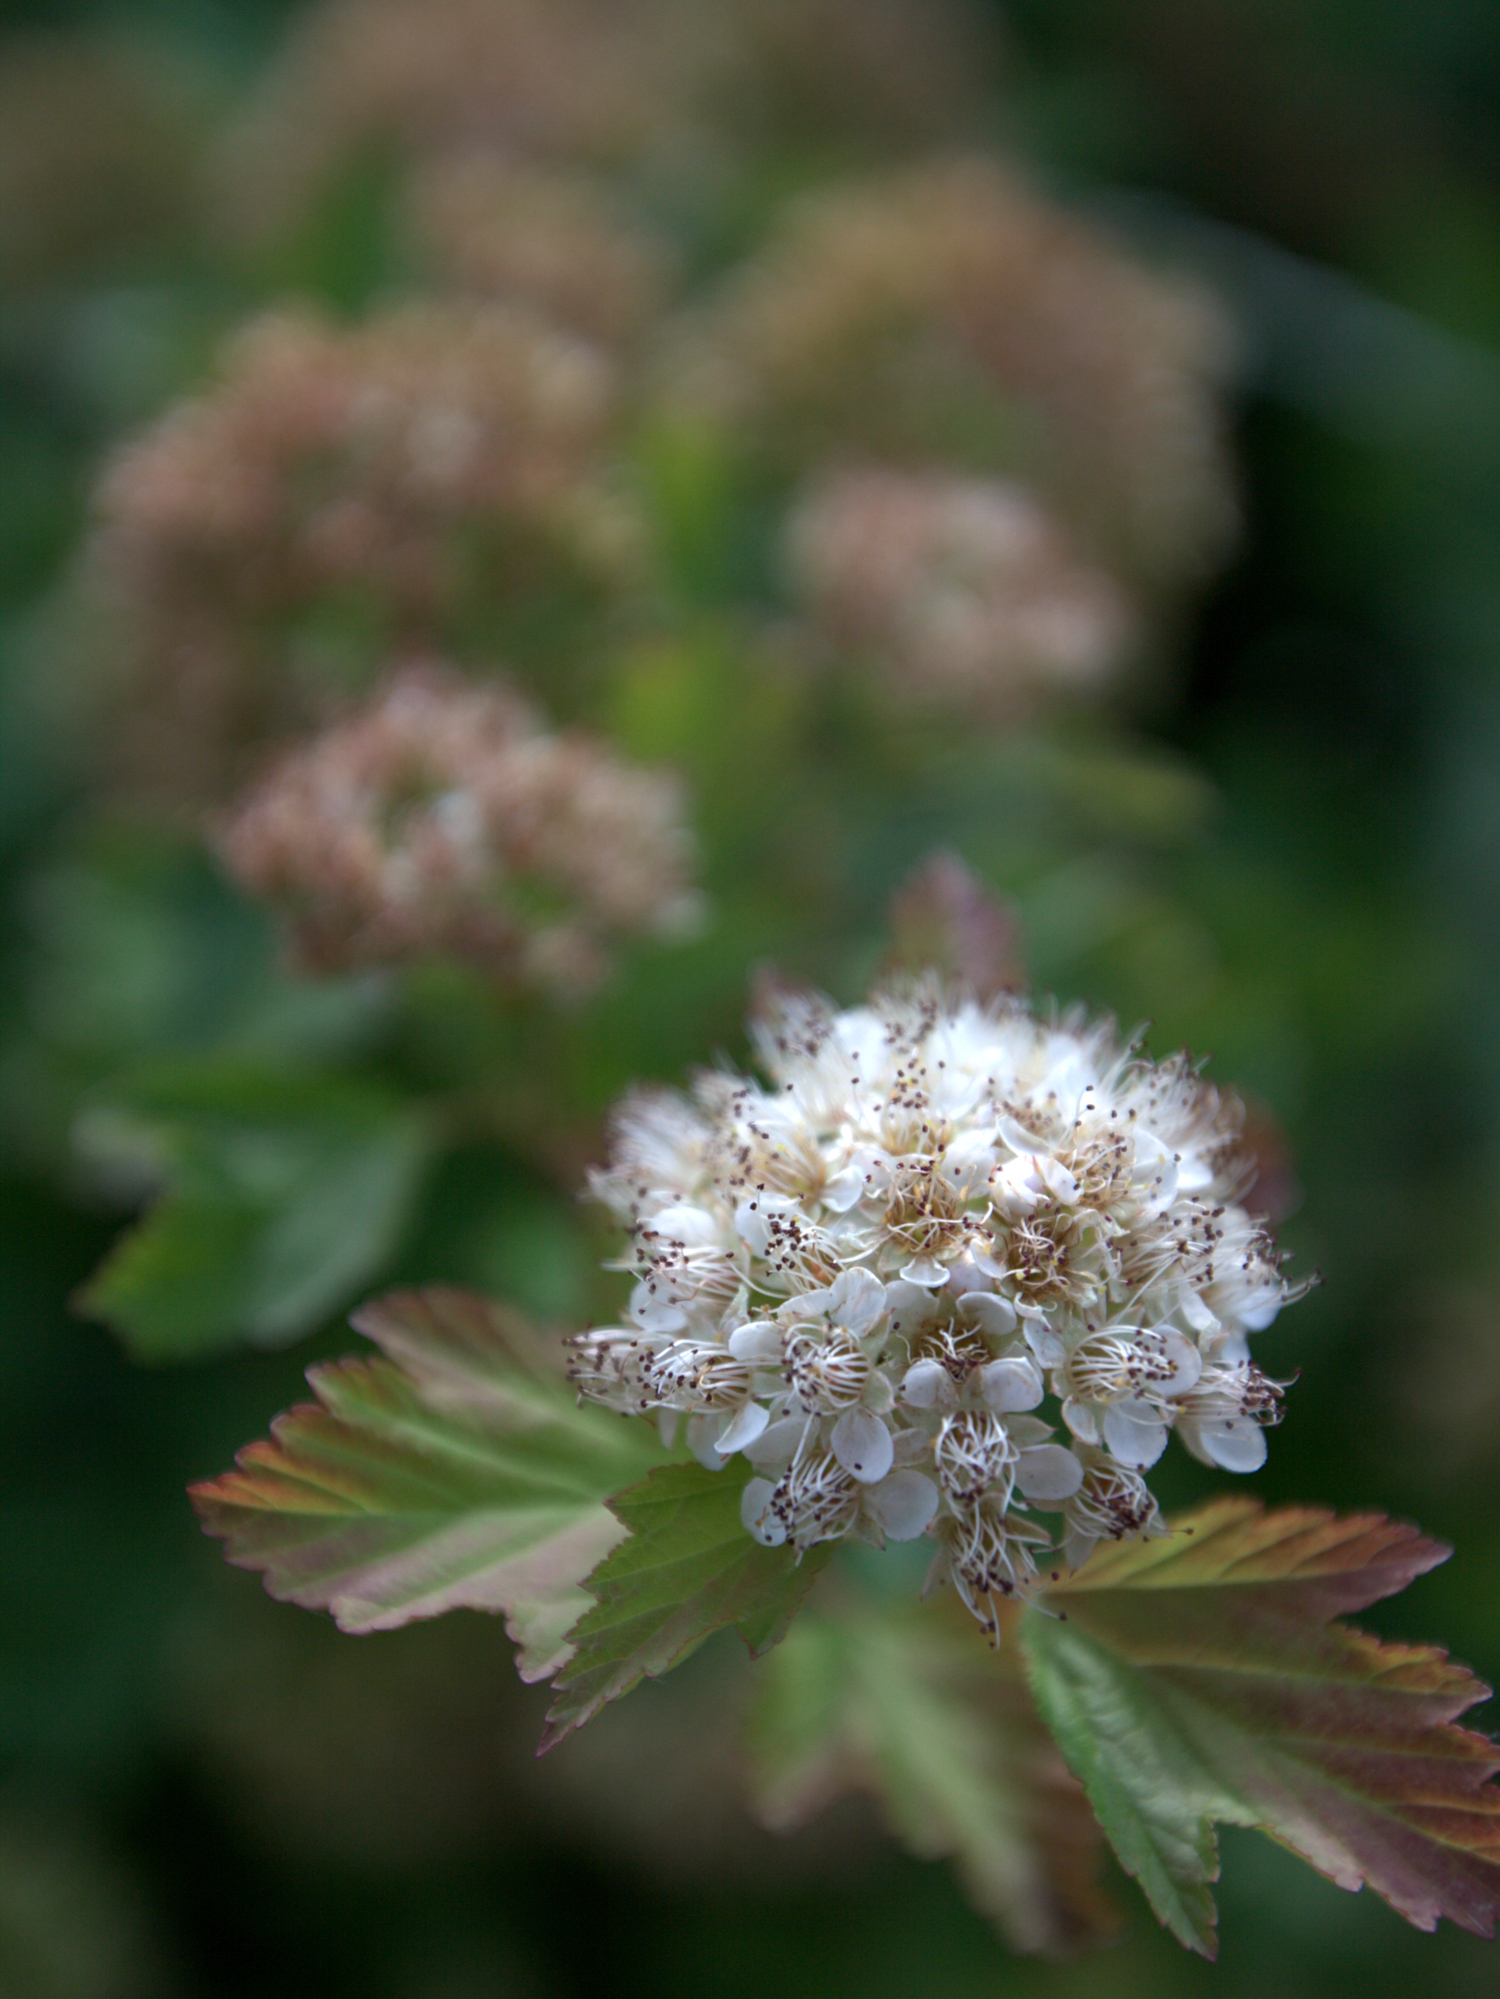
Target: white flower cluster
866,1279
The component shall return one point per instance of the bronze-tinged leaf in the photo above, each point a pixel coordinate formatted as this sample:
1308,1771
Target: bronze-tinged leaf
464,1477
469,1354
942,918
686,1570
1200,1678
907,1702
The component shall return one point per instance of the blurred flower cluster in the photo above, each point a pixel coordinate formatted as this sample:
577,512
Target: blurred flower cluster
719,432
441,819
961,591
989,439
397,470
946,312
489,226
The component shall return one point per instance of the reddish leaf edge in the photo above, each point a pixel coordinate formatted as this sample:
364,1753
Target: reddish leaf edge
1403,1552
379,1320
1403,1549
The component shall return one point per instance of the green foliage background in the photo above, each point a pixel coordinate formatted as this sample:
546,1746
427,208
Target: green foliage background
205,1793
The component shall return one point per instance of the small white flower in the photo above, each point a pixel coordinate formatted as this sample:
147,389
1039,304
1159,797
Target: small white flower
862,1444
613,1366
1225,1418
975,1455
1112,1503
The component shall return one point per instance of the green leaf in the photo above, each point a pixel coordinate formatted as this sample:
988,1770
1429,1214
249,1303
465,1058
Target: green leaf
907,1702
1200,1678
687,1569
285,1194
457,1472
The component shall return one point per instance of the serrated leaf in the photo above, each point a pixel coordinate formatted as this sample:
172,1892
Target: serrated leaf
458,1472
906,1701
1200,1678
687,1569
285,1193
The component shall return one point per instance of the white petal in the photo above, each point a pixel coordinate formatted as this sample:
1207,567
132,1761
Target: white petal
911,1308
1258,1310
1008,1385
1047,1344
857,1301
1016,1188
813,1305
1231,1349
1234,1443
753,1515
749,1424
684,1224
911,1446
926,1271
848,1187
1015,1135
1195,1173
656,1315
842,1191
760,1342
776,1446
752,1219
703,1434
1156,1173
991,1314
1048,1472
1024,1431
1185,1359
862,1444
970,1158
965,1276
904,1504
1056,1178
928,1385
1134,1434
1078,1546
969,1147
1082,1419
1196,1312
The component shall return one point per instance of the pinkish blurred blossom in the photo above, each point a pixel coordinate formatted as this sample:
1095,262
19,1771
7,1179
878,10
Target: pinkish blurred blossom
442,818
962,590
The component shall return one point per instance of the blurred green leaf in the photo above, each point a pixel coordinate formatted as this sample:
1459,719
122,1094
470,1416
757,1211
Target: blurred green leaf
688,1569
456,1473
908,1703
285,1193
1121,789
145,951
1199,1678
